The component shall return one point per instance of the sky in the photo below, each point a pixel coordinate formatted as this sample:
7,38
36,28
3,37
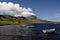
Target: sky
43,9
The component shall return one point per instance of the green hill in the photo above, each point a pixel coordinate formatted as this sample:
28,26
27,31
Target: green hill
34,19
11,20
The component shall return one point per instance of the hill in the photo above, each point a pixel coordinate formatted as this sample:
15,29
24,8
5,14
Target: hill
34,19
11,20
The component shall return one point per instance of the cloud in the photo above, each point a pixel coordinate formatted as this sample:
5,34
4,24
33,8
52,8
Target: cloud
9,8
55,17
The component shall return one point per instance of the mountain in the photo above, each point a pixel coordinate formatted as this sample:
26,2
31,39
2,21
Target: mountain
34,19
11,20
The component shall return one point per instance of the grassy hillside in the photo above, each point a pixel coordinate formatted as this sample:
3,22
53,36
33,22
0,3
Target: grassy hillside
8,20
11,20
34,19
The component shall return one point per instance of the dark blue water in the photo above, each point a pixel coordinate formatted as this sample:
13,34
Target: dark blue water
37,30
29,32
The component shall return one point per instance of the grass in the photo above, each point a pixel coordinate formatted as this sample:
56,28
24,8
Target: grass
11,20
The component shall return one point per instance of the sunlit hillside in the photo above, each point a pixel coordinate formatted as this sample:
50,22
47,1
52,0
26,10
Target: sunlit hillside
11,20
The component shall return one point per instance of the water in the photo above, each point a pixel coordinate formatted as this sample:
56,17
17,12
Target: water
29,32
42,36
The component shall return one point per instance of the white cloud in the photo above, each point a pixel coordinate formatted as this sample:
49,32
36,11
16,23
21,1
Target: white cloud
9,8
55,17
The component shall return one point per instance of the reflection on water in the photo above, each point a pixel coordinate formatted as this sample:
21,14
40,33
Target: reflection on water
29,32
42,37
12,37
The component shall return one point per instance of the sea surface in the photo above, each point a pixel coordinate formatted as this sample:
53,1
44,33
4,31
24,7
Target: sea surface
29,32
42,36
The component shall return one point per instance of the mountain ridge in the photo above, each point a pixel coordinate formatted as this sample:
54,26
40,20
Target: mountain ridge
11,20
